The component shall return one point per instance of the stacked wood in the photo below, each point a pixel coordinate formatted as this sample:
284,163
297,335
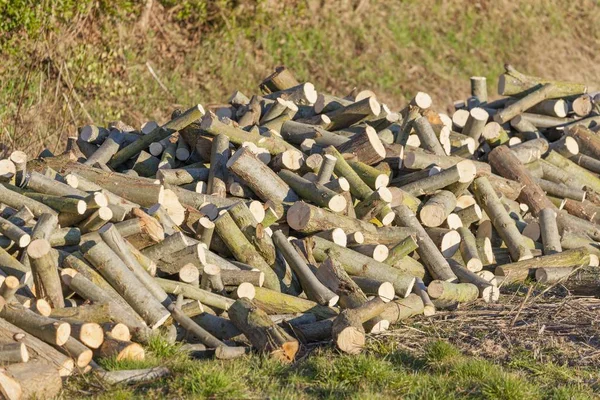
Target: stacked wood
300,217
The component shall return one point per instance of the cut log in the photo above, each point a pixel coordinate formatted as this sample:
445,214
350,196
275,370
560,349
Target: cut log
306,218
120,350
243,250
401,276
264,335
365,146
314,192
501,220
520,270
347,331
459,292
45,272
515,83
116,272
32,380
430,255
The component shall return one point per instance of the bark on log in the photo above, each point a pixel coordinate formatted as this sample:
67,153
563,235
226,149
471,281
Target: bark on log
45,272
506,163
501,220
531,99
366,147
243,250
520,270
357,264
347,331
515,83
314,192
116,272
32,380
313,288
273,302
264,335
156,135
306,218
430,255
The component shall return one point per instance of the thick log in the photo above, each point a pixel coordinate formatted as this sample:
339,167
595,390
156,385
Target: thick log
515,83
306,218
353,113
264,335
45,272
520,270
120,350
429,254
459,292
437,208
347,331
273,302
366,147
243,250
401,276
32,380
573,170
316,193
500,218
259,177
37,349
47,329
463,172
116,272
510,167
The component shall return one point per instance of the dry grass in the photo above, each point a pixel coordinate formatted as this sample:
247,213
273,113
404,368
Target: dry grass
95,68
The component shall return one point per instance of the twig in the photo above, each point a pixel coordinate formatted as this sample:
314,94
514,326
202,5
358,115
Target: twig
529,291
157,78
75,96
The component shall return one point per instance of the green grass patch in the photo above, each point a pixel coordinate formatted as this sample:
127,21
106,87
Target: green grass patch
440,371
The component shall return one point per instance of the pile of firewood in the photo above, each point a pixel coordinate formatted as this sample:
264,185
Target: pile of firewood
285,219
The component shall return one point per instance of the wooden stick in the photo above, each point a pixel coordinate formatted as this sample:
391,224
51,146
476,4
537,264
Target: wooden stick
421,291
537,96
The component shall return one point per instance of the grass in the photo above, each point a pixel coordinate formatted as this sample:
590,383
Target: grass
91,65
386,370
